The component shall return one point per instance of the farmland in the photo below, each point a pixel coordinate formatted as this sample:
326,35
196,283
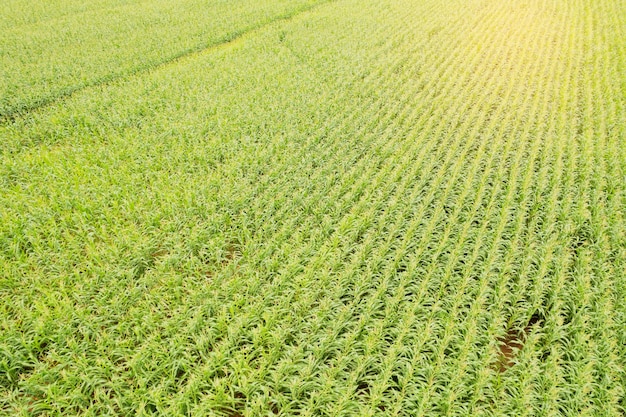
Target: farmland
313,208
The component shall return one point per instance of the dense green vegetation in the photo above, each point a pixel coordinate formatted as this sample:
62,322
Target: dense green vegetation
313,208
52,49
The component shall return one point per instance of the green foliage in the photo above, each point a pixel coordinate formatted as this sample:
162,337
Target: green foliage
313,208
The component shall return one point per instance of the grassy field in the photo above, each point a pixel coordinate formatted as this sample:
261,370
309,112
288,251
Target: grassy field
313,208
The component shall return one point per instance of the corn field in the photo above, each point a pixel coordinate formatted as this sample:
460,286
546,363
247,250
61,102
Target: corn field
313,208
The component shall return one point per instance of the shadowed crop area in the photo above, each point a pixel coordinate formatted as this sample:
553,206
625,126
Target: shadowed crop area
313,208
